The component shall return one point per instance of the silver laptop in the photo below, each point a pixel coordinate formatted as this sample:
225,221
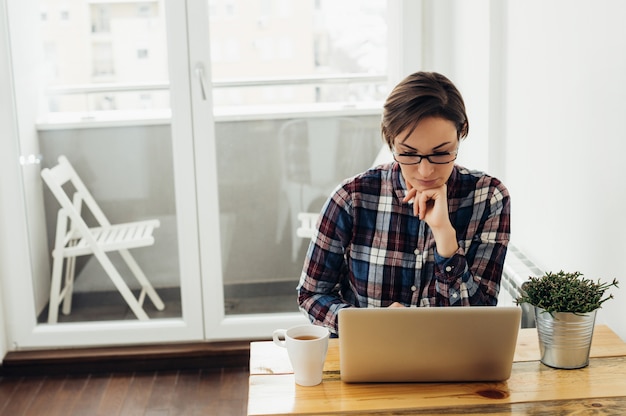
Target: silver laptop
427,344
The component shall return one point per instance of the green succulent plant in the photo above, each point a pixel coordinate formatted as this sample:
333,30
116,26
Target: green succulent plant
565,292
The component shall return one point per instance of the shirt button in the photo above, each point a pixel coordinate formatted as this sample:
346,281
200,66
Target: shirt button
448,268
413,288
417,252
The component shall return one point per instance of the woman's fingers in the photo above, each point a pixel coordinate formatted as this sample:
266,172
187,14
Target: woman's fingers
426,203
421,205
410,195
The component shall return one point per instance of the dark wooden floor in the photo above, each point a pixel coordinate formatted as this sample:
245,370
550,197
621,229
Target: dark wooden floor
215,391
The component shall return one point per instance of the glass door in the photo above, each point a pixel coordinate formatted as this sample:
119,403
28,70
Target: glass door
225,121
295,99
105,86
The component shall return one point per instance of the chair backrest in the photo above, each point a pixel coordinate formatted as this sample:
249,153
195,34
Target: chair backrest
322,151
59,175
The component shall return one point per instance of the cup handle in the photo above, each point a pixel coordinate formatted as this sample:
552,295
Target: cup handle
279,337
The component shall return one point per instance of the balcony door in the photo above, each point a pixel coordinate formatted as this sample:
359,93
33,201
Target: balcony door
295,91
223,120
106,85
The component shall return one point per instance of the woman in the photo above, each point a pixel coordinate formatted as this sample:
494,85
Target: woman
420,231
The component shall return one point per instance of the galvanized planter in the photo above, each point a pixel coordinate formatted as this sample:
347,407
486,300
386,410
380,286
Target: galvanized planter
565,338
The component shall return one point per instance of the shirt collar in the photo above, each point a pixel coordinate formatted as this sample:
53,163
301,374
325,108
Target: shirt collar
399,186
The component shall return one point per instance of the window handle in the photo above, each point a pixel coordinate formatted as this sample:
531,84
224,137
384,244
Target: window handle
200,74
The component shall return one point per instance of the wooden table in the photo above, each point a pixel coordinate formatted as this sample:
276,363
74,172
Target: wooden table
599,388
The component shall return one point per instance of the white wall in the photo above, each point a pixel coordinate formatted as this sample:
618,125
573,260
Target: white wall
566,138
456,37
545,86
4,86
12,232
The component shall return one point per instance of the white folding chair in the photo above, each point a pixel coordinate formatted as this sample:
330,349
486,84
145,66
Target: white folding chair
75,238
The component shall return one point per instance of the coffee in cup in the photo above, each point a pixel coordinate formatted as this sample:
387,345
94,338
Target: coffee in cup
306,346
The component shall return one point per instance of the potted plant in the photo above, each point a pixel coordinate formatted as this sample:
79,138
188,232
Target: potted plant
565,306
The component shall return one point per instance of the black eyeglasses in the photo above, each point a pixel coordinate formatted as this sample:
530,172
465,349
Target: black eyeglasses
435,158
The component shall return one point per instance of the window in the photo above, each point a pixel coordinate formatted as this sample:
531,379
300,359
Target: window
308,46
142,53
277,53
144,9
100,19
283,128
103,59
230,8
113,44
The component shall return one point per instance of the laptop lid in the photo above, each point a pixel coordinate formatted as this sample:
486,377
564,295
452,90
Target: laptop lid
427,344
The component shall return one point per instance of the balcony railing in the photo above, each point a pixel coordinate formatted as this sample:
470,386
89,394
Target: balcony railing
223,83
89,115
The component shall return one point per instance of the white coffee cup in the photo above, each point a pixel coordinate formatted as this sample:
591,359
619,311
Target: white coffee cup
307,346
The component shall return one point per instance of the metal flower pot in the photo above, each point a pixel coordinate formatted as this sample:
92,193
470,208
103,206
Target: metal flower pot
565,338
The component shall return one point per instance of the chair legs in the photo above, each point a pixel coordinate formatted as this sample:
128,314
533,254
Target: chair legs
57,269
146,287
70,271
121,286
62,293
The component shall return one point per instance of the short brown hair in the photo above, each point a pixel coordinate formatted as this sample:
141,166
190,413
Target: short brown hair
418,96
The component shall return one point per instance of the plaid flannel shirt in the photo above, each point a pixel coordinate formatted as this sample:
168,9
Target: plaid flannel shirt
370,250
